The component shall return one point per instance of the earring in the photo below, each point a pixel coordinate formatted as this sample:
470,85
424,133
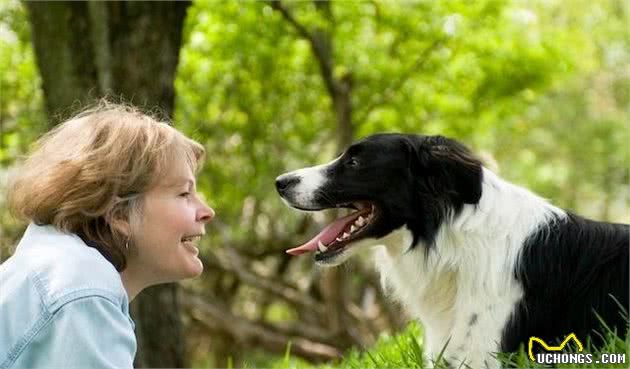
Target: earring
127,245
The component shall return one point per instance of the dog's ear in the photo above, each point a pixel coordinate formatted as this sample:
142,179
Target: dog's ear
445,166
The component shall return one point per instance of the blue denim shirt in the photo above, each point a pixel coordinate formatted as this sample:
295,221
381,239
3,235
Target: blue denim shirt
62,305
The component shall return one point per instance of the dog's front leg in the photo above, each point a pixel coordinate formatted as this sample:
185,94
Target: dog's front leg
474,341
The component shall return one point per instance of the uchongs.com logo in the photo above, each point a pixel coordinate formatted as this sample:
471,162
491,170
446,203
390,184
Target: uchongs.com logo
554,354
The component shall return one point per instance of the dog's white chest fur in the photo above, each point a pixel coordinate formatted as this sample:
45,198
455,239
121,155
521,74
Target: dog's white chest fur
463,290
462,306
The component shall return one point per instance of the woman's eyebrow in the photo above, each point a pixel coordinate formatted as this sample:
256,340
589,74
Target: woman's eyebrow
181,182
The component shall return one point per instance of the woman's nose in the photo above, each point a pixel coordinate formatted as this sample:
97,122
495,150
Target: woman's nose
206,214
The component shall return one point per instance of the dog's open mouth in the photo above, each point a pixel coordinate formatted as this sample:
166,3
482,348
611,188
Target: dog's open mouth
343,231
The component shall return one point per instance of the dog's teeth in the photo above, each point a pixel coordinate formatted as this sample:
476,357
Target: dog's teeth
352,229
345,235
339,239
360,221
321,247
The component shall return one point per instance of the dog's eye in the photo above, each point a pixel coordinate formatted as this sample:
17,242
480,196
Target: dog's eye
352,163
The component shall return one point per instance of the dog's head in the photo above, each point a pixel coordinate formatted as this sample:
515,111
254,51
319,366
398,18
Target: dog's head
389,181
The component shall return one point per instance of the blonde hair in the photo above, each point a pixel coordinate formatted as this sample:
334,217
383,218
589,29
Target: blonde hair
91,171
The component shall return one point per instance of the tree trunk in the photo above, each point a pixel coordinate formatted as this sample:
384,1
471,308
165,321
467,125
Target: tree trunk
64,56
129,50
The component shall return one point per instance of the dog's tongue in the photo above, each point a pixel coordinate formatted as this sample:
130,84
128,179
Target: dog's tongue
327,235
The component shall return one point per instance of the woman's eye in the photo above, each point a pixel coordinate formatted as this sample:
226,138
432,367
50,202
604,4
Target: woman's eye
184,194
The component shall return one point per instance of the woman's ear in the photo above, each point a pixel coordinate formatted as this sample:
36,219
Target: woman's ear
118,220
120,226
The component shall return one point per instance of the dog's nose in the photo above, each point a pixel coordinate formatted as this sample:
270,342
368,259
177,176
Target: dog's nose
284,182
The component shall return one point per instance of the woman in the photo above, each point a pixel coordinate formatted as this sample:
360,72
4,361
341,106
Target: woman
111,200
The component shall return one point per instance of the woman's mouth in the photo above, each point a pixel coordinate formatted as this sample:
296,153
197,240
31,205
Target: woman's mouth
189,242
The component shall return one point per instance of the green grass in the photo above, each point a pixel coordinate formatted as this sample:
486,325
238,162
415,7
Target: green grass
405,351
613,344
401,351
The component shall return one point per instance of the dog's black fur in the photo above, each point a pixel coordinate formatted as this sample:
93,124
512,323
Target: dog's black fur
575,275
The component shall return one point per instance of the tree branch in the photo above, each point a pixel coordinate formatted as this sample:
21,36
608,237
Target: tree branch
212,316
229,261
395,86
319,44
277,5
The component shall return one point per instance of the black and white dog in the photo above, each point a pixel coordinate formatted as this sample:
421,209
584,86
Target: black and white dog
484,264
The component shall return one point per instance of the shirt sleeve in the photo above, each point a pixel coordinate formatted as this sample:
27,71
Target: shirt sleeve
91,332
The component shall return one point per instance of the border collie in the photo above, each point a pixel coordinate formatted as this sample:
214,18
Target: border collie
482,263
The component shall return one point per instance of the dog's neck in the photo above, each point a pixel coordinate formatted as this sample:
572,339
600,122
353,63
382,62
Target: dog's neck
503,208
490,232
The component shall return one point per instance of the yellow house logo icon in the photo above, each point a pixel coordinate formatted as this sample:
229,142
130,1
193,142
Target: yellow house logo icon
552,348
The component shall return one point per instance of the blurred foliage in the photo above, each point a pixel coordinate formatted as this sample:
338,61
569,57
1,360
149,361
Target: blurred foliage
22,117
536,85
539,88
21,110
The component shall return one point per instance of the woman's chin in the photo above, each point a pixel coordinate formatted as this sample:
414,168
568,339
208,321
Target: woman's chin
194,267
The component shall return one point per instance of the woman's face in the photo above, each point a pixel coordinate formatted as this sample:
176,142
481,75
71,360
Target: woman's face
173,220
